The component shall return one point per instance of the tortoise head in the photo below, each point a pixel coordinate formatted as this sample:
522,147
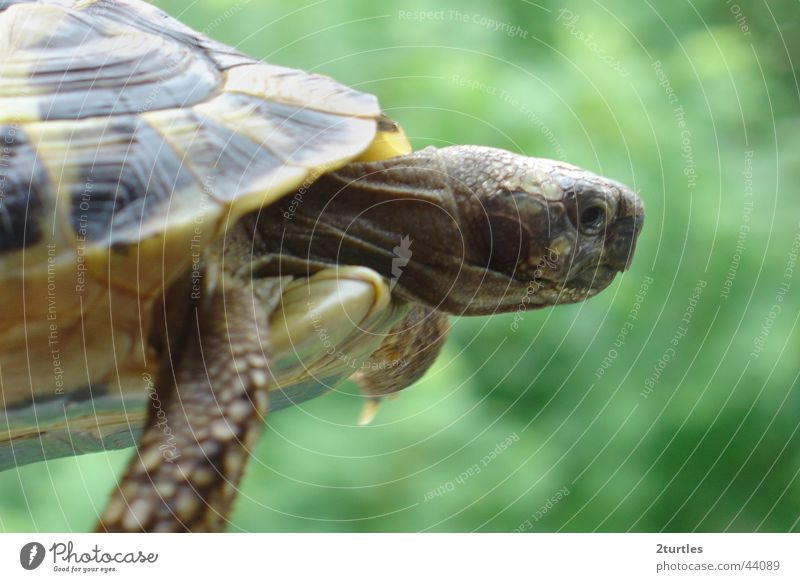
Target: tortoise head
464,229
545,232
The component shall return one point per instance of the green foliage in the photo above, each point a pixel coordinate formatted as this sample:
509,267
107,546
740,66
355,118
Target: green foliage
713,444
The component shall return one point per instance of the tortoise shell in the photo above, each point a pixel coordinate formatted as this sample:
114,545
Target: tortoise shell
128,144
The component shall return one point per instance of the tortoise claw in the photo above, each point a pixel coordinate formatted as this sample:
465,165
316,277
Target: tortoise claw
370,410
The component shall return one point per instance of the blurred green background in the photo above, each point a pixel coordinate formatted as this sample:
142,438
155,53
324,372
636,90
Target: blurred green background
696,105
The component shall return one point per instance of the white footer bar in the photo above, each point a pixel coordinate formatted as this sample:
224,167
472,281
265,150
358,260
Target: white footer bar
401,557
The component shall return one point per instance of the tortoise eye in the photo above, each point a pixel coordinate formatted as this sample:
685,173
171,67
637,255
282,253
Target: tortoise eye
593,218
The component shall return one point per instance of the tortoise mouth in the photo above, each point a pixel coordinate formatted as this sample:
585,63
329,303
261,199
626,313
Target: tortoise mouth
578,284
586,283
593,277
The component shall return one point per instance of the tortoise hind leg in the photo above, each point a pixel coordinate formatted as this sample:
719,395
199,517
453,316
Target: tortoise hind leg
408,351
192,454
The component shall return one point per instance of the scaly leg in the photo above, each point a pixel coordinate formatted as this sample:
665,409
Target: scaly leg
410,348
192,454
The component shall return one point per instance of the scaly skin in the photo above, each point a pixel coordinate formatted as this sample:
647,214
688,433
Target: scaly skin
486,231
483,224
410,348
215,414
481,231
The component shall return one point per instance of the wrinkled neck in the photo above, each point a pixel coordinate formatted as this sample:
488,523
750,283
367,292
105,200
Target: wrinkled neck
398,217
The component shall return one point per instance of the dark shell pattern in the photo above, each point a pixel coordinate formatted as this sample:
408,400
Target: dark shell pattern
119,125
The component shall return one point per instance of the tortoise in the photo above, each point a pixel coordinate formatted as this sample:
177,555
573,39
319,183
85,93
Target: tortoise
190,238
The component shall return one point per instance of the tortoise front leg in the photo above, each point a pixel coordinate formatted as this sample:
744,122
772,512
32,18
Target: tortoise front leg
191,458
409,350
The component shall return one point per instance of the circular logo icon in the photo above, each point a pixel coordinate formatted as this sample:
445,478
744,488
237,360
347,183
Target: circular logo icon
31,555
